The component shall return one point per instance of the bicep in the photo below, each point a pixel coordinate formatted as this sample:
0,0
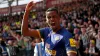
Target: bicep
33,33
41,33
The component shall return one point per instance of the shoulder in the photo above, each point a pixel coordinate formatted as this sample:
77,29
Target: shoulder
67,33
46,28
44,31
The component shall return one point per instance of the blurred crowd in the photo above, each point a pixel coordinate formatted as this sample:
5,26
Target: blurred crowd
81,18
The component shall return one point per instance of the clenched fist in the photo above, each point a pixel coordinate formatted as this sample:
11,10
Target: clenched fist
29,6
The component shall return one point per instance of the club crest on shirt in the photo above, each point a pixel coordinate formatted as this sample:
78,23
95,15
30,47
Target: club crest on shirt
57,38
50,52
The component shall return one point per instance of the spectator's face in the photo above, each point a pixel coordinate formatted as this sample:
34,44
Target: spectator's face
69,24
89,22
96,26
10,42
26,39
53,19
15,43
76,36
83,29
76,30
92,44
90,26
86,24
0,39
37,40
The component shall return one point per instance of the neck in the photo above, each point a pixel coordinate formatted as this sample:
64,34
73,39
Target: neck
83,33
57,29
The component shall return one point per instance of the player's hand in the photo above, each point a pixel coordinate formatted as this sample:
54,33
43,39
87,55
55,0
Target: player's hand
29,6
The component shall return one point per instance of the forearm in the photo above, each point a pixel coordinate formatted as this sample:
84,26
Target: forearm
24,27
12,33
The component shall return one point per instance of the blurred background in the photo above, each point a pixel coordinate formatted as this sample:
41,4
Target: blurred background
78,16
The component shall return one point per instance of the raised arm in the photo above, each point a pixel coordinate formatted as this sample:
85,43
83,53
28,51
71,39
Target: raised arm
12,33
24,27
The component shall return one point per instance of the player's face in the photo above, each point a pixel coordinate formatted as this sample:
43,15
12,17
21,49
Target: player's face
53,19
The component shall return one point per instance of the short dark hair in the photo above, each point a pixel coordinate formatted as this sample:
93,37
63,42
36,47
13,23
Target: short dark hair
53,9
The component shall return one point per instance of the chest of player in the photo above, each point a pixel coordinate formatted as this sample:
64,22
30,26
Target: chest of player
54,40
54,44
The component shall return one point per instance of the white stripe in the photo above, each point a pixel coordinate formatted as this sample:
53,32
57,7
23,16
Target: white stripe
39,45
36,51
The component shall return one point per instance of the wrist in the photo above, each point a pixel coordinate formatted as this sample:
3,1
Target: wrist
27,10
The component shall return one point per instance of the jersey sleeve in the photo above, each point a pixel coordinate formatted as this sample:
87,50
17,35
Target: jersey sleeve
70,44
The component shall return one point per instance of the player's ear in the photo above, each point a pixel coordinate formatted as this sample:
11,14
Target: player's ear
46,20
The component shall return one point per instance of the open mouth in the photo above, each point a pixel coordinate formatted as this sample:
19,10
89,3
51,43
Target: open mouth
52,24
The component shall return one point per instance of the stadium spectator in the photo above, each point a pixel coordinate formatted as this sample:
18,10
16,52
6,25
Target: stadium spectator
91,50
